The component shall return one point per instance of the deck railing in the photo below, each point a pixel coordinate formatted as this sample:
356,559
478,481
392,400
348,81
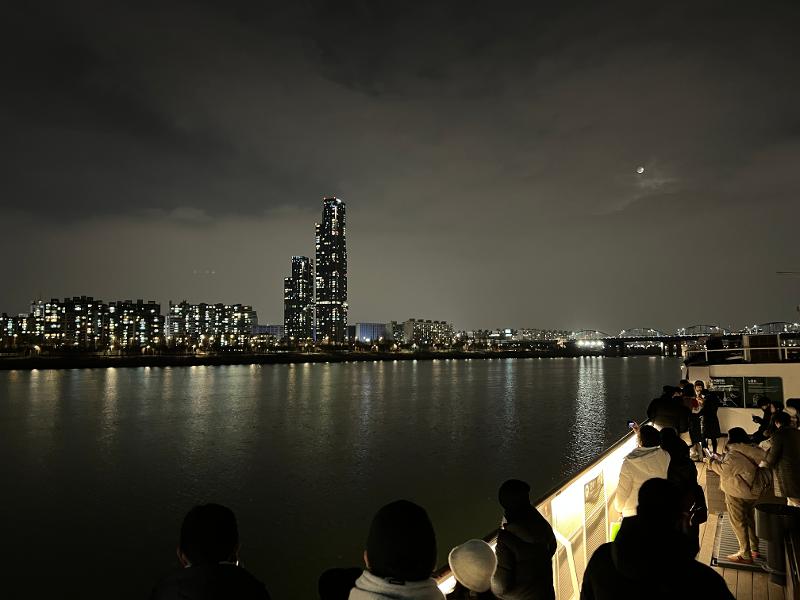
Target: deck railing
748,354
581,513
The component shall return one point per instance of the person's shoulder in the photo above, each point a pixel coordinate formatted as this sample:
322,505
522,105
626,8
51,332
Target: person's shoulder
706,581
194,582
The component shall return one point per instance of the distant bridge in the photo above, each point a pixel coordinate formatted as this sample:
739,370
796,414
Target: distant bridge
595,341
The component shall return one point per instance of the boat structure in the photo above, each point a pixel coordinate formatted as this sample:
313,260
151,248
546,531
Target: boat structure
581,509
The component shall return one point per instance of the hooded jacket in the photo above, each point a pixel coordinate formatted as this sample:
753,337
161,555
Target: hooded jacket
372,587
525,548
639,466
784,459
210,582
649,561
738,470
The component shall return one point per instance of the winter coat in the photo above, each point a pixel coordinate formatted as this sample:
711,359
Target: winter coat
525,548
709,421
639,466
649,561
784,460
683,473
669,411
210,582
372,587
738,470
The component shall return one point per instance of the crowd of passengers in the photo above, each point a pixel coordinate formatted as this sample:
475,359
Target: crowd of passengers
653,553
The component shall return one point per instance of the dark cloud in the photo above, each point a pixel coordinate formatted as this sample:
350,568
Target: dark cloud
488,153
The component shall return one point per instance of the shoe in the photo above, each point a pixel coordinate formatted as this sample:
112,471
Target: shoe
738,558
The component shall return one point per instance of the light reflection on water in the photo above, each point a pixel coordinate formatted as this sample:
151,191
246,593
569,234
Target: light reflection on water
105,462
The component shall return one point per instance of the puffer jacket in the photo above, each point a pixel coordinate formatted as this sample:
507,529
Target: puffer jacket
372,587
784,460
738,470
639,466
525,548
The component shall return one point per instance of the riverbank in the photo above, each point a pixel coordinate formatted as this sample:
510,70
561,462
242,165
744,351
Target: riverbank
191,360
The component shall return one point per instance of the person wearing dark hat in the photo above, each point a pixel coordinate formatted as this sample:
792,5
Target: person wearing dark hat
473,563
525,548
209,553
650,557
400,556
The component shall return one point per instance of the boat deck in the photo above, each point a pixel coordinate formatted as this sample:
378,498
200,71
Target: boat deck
743,584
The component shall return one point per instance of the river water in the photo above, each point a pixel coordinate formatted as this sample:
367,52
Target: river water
100,465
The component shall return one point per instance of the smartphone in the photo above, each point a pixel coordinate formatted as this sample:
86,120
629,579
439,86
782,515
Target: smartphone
631,424
708,453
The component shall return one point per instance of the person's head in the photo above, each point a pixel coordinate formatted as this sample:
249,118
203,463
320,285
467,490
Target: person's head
793,403
335,584
782,419
209,535
660,502
473,564
683,383
649,436
668,390
737,435
688,390
699,384
775,406
401,543
762,402
514,497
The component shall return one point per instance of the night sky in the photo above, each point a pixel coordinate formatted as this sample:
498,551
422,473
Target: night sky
487,153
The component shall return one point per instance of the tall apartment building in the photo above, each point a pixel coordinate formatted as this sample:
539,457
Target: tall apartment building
298,300
89,323
227,325
425,332
129,323
330,298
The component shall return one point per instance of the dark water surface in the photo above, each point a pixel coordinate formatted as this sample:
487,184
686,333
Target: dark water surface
99,466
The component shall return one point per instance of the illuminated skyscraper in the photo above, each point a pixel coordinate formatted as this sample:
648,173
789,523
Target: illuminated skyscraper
331,275
298,300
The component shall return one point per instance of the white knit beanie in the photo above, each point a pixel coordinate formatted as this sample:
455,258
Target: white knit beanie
473,564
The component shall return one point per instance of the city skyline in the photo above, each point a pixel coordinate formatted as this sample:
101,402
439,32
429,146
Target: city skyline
579,165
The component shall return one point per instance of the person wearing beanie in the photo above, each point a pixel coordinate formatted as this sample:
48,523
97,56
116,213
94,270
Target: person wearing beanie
525,548
473,564
400,556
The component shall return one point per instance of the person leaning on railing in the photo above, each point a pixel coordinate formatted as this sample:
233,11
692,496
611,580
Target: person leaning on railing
643,463
525,547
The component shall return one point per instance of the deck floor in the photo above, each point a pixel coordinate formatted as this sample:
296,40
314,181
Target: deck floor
745,585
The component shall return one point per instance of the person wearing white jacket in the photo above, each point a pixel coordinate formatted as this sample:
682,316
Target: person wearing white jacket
648,461
400,556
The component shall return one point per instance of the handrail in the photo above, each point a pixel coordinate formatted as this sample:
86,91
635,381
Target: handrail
783,351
